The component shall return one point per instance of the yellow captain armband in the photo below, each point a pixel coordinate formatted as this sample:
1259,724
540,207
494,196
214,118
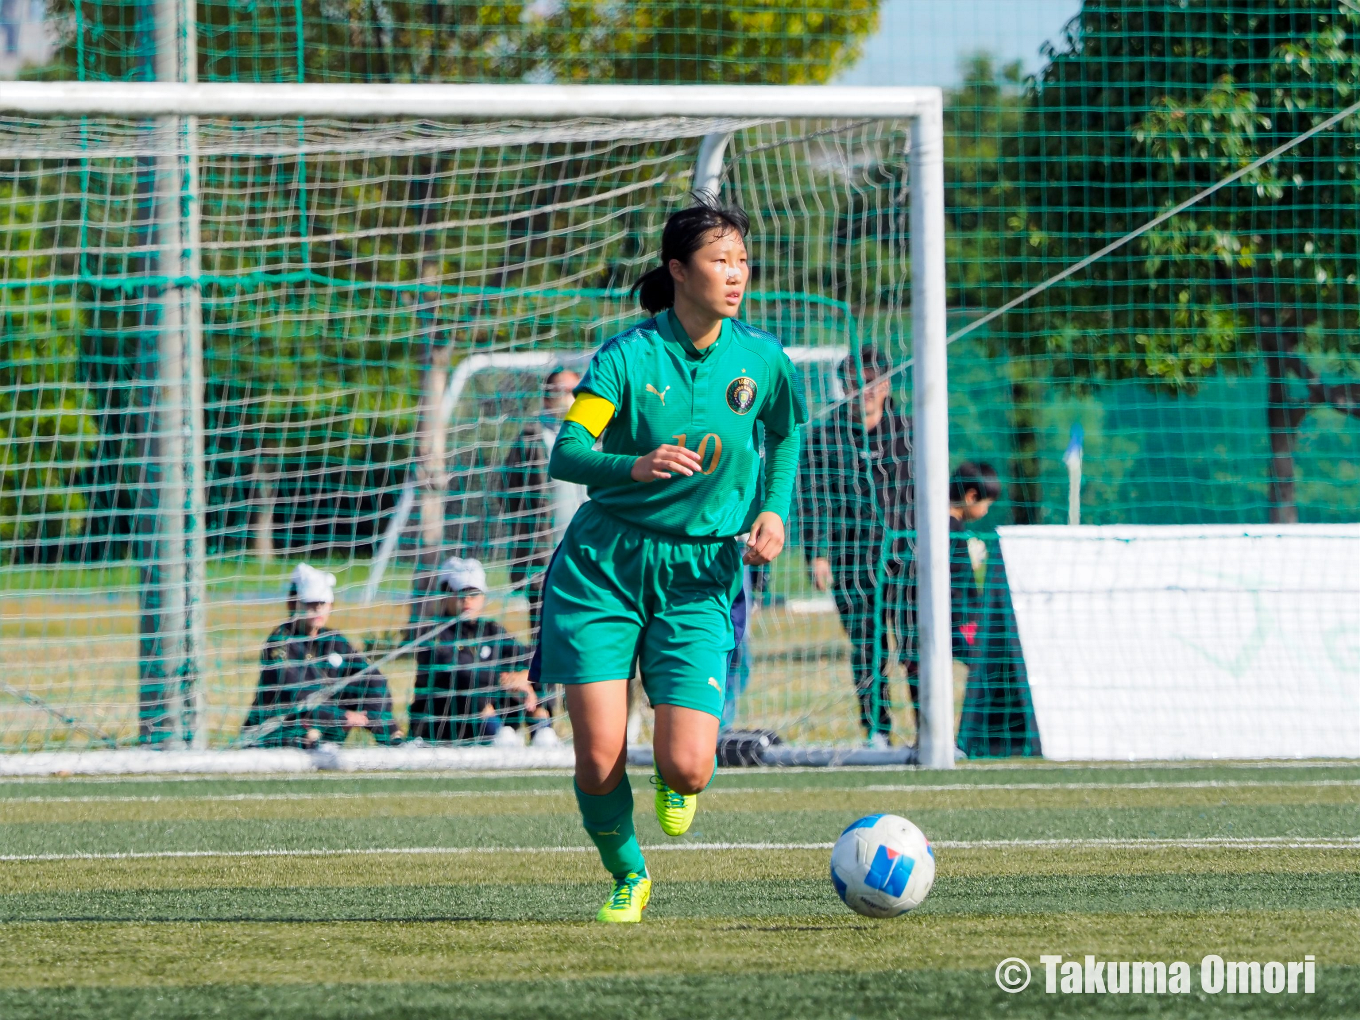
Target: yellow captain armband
591,412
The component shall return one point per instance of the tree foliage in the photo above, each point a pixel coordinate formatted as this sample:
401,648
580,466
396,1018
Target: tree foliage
1149,103
789,42
47,429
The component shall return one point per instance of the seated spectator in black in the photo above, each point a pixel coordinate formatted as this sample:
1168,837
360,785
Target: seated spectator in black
472,677
973,489
303,695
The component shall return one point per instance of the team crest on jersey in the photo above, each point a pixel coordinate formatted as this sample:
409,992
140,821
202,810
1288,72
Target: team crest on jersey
741,394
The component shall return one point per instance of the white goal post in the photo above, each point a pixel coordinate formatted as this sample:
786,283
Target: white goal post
176,106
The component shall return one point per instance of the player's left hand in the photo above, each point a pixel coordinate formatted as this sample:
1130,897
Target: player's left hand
766,540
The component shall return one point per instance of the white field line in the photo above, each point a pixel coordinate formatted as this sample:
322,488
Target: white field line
1152,843
192,778
190,798
1213,784
1208,842
1205,784
1055,767
380,851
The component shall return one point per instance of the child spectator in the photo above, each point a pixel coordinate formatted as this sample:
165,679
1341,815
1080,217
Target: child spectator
304,658
472,678
998,715
973,489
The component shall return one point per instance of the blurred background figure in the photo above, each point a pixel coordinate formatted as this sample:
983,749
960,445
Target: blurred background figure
9,27
739,663
855,485
973,488
536,508
998,713
303,657
472,677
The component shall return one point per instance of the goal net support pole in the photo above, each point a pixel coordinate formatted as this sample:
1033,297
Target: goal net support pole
930,410
180,328
171,498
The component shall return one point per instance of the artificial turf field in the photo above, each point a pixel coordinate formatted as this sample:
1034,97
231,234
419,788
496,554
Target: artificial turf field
339,896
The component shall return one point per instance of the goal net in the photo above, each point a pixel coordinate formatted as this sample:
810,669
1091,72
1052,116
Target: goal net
321,339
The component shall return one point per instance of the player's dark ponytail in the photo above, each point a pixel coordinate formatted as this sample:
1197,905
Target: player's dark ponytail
686,232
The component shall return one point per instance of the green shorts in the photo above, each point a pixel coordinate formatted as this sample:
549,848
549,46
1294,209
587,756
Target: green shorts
616,595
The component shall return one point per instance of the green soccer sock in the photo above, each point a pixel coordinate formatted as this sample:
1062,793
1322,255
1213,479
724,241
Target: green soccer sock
608,819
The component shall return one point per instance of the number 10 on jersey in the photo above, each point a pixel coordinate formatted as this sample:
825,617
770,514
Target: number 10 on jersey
702,451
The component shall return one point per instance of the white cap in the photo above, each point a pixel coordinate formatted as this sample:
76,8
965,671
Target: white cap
459,575
312,585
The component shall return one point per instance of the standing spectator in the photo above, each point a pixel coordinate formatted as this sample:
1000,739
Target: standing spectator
472,679
856,487
303,658
973,489
538,508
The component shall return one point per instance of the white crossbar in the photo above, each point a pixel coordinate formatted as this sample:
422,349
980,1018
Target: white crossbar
476,102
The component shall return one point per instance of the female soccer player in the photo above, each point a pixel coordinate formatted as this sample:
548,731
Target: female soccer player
649,571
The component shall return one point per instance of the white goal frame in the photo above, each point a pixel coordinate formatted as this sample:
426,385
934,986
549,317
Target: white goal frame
176,103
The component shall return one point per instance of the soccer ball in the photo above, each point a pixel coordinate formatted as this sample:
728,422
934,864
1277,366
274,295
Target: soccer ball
882,866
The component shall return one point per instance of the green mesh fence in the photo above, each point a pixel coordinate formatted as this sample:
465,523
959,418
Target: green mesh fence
787,43
1209,365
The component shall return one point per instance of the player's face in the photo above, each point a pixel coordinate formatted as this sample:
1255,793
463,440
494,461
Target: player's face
874,395
557,396
465,603
973,508
715,276
314,614
977,509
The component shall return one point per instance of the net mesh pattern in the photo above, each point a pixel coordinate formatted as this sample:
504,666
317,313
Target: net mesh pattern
1203,375
353,278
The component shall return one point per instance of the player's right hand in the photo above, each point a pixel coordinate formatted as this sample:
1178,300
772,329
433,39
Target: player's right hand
519,681
665,461
821,573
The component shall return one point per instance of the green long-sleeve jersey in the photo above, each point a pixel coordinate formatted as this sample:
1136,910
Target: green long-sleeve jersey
650,386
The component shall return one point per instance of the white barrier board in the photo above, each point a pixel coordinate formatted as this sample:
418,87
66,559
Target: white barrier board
1188,641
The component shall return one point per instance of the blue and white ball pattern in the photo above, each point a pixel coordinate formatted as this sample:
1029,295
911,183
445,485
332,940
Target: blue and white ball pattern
882,866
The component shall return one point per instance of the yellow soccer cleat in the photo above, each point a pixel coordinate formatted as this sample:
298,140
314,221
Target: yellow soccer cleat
627,901
675,811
